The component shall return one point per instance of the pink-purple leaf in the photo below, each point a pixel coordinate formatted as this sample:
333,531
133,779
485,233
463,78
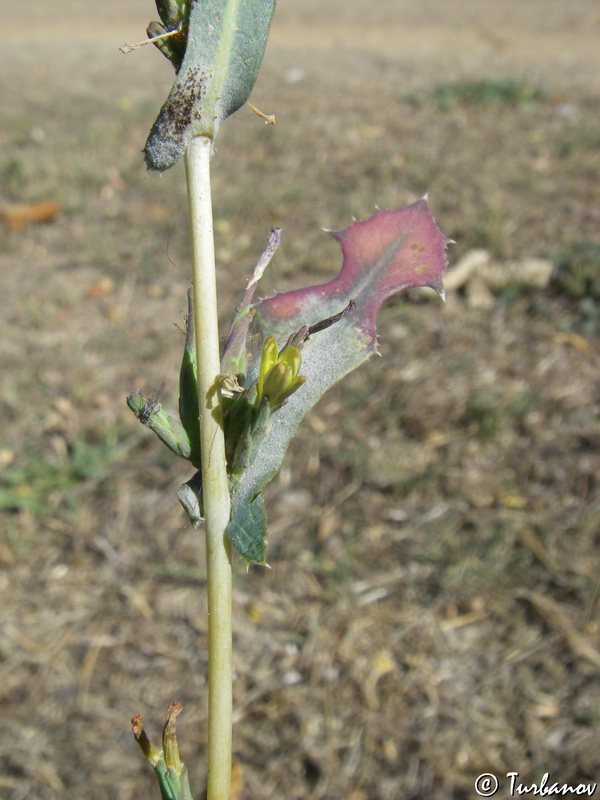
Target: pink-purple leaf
389,252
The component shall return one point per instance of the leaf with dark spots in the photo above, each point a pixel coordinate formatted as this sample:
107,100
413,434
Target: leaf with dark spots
225,43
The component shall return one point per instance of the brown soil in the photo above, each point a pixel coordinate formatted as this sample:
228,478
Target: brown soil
431,611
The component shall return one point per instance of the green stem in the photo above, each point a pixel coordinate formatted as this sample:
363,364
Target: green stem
214,472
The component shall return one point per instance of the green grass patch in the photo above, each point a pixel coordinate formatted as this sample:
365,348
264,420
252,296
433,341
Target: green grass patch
38,482
489,413
505,92
485,92
577,277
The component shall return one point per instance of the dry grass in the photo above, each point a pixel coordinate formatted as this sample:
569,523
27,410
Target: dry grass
432,608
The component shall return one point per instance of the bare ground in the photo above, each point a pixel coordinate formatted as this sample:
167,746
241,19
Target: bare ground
431,611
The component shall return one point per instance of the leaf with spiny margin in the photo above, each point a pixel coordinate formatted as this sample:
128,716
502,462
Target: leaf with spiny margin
389,252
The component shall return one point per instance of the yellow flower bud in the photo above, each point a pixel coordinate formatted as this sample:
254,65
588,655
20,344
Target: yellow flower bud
278,373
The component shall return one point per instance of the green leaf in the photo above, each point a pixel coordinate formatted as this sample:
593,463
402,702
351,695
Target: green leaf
190,497
174,14
226,40
168,429
188,388
248,529
182,437
234,359
391,251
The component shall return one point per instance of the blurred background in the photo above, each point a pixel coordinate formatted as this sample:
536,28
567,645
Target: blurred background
431,610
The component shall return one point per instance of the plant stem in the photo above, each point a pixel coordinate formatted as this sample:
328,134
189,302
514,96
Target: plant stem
214,472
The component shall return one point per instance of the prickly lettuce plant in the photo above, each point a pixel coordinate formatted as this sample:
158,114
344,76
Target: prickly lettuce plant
238,410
